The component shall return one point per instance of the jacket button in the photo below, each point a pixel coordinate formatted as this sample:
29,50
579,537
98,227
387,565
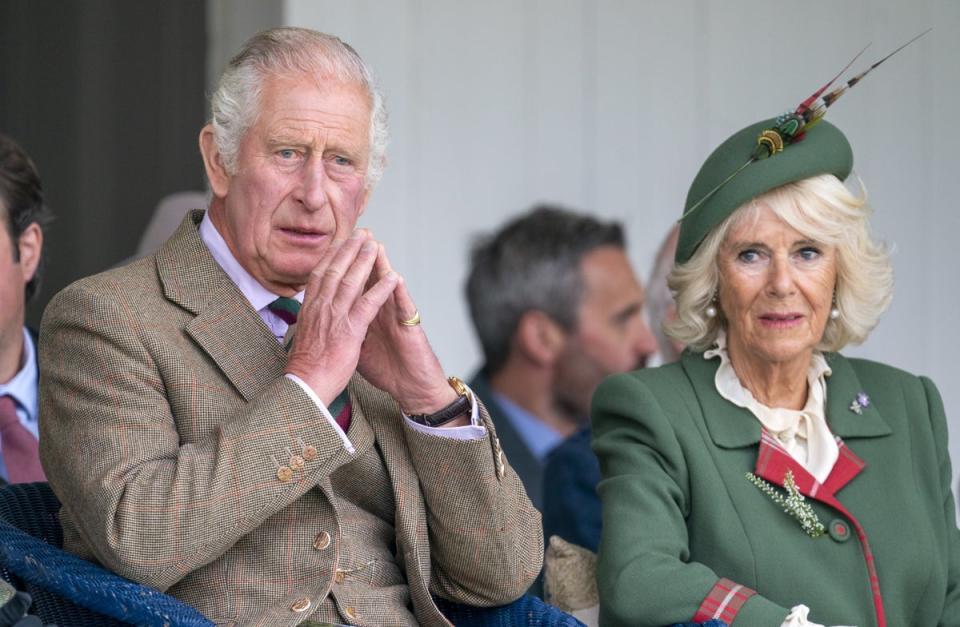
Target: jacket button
322,541
839,530
310,453
339,576
351,613
284,473
301,605
296,462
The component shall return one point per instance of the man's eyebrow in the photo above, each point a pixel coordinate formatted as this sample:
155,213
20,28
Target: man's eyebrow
627,312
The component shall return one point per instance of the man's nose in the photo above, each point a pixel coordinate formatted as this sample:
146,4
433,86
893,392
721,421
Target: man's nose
312,192
645,343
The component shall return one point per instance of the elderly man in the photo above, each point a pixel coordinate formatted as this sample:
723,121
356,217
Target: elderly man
341,480
557,307
24,215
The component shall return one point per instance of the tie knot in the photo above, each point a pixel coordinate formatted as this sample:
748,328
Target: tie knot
286,308
8,411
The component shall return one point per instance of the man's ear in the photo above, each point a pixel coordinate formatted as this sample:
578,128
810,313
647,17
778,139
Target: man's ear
540,338
213,162
30,246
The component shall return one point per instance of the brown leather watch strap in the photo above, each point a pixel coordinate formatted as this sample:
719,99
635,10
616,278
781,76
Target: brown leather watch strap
457,408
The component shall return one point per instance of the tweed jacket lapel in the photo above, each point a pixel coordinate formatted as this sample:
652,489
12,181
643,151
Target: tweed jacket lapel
225,326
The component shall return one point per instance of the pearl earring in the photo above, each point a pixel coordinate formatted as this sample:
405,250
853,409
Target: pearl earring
711,310
834,313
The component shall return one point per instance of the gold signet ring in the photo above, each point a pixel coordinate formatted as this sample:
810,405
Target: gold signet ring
412,322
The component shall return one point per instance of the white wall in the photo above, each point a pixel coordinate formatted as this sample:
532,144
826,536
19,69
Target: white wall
612,106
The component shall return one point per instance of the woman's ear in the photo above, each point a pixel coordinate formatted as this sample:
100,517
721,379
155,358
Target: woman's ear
213,162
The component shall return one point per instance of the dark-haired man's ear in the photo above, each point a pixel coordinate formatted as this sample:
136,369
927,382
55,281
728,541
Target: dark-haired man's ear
540,338
30,245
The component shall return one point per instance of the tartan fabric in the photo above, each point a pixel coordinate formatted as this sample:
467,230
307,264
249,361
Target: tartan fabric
286,309
773,462
723,602
166,417
340,410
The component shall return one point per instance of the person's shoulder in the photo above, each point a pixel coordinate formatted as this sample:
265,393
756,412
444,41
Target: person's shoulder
870,370
665,378
572,446
126,284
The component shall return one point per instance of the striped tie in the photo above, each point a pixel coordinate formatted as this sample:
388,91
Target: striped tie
286,309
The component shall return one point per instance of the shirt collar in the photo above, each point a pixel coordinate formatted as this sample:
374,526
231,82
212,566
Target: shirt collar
819,447
23,386
258,296
538,437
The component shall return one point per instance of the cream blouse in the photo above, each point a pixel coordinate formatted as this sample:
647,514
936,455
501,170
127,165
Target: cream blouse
803,433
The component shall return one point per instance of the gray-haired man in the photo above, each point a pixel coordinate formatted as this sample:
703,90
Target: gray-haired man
194,453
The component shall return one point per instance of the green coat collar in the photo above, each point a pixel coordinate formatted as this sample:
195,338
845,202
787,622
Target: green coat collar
734,427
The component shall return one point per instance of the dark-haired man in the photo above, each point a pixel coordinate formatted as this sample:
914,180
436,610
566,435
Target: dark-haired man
24,215
557,307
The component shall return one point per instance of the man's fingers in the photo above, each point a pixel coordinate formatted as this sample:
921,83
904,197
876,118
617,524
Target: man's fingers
356,277
368,305
343,259
405,304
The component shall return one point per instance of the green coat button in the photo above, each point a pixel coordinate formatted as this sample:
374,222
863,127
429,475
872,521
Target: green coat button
839,530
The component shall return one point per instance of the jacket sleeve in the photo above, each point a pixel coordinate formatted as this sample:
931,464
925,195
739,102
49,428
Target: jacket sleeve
486,540
951,607
644,574
147,500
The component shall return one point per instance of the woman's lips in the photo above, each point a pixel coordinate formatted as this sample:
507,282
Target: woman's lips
781,320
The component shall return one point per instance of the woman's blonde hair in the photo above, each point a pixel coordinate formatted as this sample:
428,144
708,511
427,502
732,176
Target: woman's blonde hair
822,209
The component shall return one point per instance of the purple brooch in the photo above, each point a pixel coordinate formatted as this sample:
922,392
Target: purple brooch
860,402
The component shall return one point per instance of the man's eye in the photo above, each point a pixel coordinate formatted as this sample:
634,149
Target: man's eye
340,160
287,153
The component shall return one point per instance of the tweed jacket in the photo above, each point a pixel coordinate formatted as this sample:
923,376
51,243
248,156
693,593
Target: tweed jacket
167,415
524,462
687,535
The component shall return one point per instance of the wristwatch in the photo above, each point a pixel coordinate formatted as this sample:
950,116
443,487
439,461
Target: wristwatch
458,407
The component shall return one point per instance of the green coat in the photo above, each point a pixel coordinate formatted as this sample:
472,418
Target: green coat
679,513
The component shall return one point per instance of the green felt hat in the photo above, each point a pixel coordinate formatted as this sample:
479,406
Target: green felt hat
712,197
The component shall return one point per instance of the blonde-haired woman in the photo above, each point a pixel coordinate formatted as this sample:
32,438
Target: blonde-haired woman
765,479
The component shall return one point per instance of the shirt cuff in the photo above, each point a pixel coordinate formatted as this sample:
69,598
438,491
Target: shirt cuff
473,431
323,410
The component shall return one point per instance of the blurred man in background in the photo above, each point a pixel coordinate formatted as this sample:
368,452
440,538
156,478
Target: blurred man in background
557,307
24,215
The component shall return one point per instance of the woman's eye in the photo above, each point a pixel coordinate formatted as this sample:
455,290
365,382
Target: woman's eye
748,256
809,253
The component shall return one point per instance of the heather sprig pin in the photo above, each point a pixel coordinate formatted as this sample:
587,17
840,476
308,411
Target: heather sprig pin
794,504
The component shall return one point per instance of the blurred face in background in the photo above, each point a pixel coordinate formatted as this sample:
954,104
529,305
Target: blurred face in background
611,335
